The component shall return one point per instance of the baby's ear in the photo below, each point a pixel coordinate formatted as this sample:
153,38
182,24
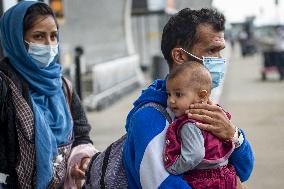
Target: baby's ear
203,95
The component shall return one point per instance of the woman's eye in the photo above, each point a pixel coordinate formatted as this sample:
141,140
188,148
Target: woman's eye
53,37
38,36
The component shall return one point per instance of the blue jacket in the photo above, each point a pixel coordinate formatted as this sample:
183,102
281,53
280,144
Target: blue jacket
142,154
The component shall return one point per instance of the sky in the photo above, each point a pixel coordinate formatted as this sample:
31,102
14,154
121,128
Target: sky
265,10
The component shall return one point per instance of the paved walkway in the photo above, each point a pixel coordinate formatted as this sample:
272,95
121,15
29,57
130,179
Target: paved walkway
256,106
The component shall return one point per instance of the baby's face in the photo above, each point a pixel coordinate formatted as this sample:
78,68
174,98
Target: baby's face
180,95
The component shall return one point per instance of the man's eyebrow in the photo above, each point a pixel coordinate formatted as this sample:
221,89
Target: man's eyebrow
216,46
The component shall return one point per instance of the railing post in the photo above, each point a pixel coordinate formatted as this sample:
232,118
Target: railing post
78,84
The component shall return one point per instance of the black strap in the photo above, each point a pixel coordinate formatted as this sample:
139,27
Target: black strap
104,166
88,173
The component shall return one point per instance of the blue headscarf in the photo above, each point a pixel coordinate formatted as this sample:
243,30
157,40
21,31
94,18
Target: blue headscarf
53,121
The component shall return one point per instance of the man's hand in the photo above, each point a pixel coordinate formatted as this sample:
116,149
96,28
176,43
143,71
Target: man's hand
213,119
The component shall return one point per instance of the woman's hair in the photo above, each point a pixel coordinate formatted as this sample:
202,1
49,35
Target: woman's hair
38,9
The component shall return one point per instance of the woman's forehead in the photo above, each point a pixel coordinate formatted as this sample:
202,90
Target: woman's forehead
45,23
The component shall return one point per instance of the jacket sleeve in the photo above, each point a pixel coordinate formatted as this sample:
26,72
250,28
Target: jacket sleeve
81,126
147,132
243,160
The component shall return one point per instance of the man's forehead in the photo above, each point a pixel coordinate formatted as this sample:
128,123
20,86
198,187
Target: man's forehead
207,34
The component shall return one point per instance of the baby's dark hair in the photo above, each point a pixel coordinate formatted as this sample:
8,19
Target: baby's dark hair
180,30
198,75
37,9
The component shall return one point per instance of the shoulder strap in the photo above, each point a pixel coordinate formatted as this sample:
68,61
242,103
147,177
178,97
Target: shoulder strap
158,107
68,90
104,166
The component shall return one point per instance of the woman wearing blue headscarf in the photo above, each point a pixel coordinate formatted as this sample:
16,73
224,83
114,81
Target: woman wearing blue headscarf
39,129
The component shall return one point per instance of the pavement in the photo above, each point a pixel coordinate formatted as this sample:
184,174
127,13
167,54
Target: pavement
256,106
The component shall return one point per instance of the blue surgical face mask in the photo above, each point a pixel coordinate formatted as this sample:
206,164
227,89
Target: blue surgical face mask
43,54
215,65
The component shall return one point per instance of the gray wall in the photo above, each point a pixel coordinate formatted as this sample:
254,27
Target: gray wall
110,65
98,26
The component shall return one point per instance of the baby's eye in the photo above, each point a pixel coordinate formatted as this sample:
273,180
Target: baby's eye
168,94
178,94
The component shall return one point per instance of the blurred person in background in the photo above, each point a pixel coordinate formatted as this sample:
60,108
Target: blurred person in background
270,40
44,132
279,51
188,35
243,37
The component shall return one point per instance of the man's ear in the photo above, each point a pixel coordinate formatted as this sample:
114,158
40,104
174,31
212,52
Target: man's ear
203,95
178,56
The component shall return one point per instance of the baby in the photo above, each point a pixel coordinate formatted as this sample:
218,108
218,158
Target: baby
199,155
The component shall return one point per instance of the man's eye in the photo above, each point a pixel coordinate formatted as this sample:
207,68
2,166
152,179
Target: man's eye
213,51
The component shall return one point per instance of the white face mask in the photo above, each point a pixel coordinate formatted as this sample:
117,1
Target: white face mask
43,54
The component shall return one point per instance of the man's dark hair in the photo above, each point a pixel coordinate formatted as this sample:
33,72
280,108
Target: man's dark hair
181,28
38,9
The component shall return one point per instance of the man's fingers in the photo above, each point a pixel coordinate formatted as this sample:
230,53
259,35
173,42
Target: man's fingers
201,115
209,107
215,112
205,127
210,102
201,118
